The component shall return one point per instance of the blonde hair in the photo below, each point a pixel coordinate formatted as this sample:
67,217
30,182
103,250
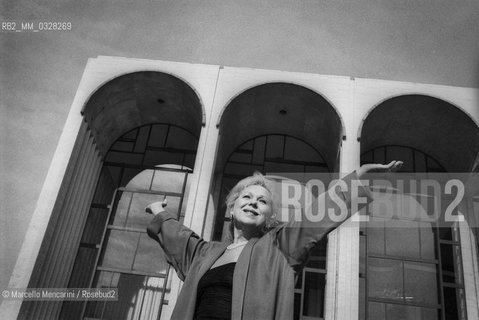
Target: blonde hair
257,179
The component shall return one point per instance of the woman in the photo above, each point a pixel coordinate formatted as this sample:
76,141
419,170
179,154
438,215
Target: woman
253,276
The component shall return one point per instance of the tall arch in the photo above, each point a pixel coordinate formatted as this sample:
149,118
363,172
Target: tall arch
131,123
429,135
136,99
429,124
281,108
273,128
145,165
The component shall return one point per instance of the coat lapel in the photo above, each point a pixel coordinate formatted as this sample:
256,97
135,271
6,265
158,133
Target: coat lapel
211,258
190,287
239,279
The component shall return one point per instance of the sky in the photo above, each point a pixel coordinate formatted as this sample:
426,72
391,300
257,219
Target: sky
426,41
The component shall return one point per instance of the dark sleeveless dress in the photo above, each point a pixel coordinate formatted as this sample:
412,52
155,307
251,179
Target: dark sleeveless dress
214,296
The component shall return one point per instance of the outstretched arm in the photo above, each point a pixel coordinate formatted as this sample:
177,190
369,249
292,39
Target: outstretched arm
179,242
297,238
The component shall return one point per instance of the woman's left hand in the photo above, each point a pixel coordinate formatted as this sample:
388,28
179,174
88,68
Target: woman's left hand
377,167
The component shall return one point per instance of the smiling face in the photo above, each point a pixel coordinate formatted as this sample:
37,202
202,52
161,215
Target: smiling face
252,208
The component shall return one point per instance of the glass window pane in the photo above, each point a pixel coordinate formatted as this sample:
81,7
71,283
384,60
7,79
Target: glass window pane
244,157
274,147
158,135
427,241
95,224
242,169
168,181
120,249
297,306
445,233
298,150
142,139
137,217
259,150
411,207
475,205
154,157
226,231
310,169
131,134
367,157
83,268
430,314
385,279
383,209
227,184
317,257
103,279
401,153
420,282
299,280
122,207
454,303
139,298
450,303
122,157
375,236
150,257
420,162
376,311
362,256
106,185
189,160
248,145
448,262
402,238
362,299
181,139
455,231
272,167
114,173
95,309
289,213
433,166
313,304
401,312
429,204
173,205
379,155
128,174
122,146
141,181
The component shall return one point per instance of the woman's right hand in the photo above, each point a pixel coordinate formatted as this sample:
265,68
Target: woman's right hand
392,166
156,207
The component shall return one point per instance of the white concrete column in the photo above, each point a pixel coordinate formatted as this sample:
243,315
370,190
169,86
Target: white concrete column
331,298
202,179
342,285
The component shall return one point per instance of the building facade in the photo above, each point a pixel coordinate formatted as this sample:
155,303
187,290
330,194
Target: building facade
142,130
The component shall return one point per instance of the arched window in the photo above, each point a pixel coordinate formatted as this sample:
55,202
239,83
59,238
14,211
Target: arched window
270,154
144,165
409,269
